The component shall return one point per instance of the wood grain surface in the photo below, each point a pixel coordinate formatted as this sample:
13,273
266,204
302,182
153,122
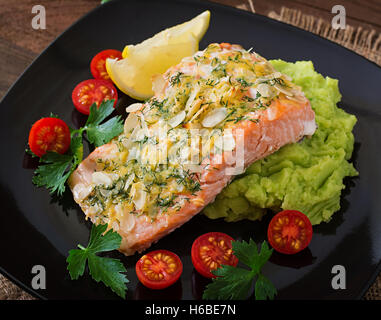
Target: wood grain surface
20,43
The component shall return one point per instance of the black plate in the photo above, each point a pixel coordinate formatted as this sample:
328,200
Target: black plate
38,230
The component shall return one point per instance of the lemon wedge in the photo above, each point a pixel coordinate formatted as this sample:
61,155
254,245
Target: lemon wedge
133,74
197,26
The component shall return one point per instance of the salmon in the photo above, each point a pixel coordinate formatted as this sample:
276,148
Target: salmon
150,180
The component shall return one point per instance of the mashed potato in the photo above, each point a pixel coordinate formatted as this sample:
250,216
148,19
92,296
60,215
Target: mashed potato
305,176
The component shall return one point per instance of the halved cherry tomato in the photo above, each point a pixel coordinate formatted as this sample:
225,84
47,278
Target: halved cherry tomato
210,250
98,63
159,269
93,91
289,231
49,134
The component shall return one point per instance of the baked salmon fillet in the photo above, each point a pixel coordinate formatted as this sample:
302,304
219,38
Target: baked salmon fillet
212,115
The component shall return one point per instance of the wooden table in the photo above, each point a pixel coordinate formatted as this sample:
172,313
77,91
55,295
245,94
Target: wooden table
20,43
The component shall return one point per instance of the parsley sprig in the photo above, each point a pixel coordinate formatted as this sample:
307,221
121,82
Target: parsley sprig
107,270
55,168
235,282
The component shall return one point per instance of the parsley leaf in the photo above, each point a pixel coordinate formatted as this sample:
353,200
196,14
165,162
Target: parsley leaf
76,263
101,134
53,173
97,133
55,168
235,282
107,270
264,288
76,147
110,241
97,115
247,253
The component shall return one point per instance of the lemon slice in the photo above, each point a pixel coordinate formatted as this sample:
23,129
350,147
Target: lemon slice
197,26
133,74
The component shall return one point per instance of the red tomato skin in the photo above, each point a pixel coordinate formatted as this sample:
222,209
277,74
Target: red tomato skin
196,259
95,94
97,65
292,214
158,285
48,122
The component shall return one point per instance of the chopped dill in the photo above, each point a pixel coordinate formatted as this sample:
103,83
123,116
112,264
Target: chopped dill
215,61
220,70
160,106
176,79
166,202
248,99
244,83
212,82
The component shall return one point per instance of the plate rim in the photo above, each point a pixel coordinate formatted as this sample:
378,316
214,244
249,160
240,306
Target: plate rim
195,3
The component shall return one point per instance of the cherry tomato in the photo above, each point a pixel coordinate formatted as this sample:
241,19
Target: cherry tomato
289,231
49,134
159,269
210,250
93,91
98,63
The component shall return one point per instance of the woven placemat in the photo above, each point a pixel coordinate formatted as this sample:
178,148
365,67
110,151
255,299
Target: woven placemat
363,41
366,42
9,291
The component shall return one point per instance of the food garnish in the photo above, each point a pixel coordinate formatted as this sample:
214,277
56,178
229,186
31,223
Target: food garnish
49,134
91,91
98,63
104,269
210,250
56,168
197,27
133,74
159,269
234,283
289,231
